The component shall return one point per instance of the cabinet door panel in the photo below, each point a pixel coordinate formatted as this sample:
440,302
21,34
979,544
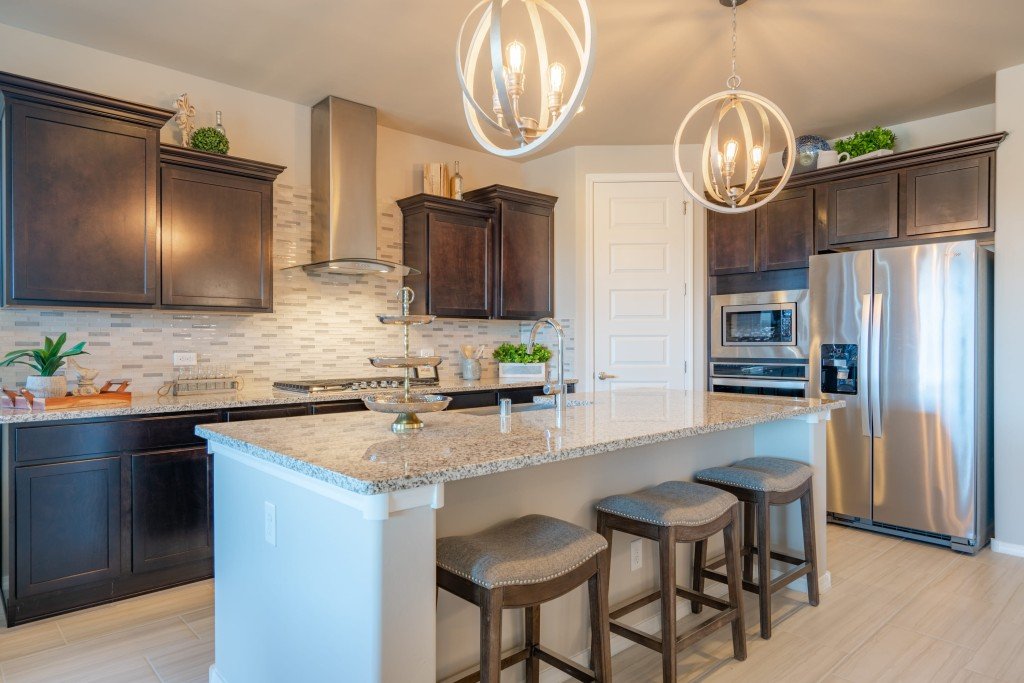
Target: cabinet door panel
82,213
731,243
526,261
862,209
217,239
474,399
459,253
172,508
948,196
68,524
785,230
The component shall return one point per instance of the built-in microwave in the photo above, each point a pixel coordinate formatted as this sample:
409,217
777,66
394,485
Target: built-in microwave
760,325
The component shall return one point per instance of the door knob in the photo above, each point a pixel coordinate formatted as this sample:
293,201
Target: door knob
605,375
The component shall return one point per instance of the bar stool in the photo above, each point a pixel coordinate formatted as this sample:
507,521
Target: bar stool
523,563
670,513
760,483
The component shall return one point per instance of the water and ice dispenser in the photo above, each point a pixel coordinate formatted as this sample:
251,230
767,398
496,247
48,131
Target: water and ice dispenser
839,369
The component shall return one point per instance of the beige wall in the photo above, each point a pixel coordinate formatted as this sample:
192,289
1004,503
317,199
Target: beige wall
1009,324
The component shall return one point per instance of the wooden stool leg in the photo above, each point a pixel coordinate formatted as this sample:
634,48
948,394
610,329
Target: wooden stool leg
732,572
764,564
667,555
810,544
700,553
748,541
600,637
490,636
532,618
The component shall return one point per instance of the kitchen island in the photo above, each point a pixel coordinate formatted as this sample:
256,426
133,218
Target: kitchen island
325,525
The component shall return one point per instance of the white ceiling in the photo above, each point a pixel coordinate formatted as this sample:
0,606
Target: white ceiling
833,65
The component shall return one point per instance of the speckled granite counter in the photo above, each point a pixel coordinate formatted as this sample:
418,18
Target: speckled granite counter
358,453
151,404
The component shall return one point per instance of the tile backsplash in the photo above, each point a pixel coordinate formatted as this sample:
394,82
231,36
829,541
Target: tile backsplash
321,325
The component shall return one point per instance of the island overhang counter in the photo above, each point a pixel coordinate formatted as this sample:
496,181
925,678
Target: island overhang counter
325,526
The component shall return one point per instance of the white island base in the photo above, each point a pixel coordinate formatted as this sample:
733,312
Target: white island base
315,582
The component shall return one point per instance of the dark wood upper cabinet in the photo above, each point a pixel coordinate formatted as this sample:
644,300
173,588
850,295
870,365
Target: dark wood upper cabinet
524,246
785,230
172,508
81,208
217,231
949,196
68,525
451,244
863,209
732,243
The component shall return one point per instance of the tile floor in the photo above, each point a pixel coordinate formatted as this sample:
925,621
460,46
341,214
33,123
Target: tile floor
897,611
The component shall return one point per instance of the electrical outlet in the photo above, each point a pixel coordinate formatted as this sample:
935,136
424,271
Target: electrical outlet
636,554
184,358
270,523
426,352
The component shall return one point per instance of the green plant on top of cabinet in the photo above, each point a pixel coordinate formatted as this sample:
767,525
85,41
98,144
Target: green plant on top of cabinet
80,216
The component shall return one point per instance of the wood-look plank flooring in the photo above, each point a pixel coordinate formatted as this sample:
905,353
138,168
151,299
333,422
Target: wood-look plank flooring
898,611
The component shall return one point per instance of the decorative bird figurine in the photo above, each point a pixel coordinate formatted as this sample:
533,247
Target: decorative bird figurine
83,377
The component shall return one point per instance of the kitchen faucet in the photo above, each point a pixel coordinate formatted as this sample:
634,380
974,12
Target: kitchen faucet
558,390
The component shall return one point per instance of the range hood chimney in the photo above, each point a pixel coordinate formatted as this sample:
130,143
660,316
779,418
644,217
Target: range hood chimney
344,178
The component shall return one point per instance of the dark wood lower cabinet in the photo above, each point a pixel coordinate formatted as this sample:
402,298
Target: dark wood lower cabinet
68,525
172,508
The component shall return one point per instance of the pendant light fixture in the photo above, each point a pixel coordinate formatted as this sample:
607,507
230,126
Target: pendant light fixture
515,81
732,168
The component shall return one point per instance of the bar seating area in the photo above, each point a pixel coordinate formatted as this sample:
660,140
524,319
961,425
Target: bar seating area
525,562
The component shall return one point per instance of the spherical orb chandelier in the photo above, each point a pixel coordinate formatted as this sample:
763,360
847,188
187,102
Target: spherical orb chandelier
505,116
732,170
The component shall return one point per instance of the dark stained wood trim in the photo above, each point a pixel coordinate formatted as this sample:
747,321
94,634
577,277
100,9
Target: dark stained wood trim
512,194
220,163
430,202
31,90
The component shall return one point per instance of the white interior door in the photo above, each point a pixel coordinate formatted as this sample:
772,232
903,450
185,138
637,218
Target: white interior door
642,270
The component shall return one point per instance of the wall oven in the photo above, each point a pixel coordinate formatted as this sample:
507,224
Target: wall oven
760,326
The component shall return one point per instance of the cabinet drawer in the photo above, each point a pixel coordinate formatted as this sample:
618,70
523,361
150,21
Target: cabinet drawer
476,399
521,395
339,407
98,438
266,413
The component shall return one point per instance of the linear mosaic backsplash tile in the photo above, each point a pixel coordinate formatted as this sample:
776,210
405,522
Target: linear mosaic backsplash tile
322,325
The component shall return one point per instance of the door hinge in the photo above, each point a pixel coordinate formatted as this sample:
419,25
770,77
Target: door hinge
684,289
686,206
686,367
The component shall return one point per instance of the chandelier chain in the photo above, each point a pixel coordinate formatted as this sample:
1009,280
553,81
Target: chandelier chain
734,80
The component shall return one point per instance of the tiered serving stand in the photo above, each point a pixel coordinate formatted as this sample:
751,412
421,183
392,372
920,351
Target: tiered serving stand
406,404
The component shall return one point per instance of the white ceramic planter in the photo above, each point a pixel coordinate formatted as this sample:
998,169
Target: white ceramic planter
47,387
523,371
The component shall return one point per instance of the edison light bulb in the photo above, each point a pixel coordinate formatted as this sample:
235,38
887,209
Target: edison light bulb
756,154
515,54
731,149
556,73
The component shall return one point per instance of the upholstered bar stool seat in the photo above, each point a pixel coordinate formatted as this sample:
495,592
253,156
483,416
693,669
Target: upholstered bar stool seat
670,513
523,563
760,483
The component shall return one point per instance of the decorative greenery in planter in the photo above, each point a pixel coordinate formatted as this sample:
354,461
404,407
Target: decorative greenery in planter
864,142
209,140
47,360
516,353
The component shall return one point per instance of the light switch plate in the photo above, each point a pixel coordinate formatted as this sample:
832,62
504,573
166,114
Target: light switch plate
636,554
184,358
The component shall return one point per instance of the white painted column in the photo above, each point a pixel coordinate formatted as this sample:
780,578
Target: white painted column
334,586
802,439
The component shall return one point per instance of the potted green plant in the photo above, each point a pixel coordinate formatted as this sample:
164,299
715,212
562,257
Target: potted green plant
875,142
515,362
46,362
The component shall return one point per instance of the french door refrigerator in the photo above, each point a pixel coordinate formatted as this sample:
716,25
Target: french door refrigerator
904,336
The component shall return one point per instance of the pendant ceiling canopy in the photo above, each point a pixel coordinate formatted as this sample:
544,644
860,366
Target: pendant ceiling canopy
736,145
527,105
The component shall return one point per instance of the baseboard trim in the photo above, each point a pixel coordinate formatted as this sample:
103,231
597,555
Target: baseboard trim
1005,548
215,677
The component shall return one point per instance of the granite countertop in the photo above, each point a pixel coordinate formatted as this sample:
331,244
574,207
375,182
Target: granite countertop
358,452
151,404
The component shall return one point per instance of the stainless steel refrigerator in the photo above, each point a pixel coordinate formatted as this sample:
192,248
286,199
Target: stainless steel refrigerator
904,336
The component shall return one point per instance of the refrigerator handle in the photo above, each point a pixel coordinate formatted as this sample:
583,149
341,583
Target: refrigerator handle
866,356
876,368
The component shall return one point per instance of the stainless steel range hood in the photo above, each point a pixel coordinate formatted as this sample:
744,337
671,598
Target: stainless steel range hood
344,178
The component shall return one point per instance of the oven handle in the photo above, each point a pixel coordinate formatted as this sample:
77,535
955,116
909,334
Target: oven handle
759,383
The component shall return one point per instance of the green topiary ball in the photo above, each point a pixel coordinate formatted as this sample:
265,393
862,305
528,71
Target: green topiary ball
209,140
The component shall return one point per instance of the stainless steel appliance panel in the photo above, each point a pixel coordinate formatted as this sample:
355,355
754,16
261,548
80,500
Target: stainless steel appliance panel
790,303
923,363
840,312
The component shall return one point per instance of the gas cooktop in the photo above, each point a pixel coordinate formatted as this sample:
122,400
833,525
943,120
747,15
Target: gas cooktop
353,384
